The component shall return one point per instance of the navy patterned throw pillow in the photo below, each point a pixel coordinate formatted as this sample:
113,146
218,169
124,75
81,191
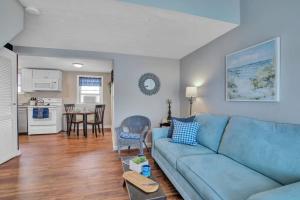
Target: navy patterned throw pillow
185,132
171,129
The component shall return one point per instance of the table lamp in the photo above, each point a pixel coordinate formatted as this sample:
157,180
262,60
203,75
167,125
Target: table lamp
191,93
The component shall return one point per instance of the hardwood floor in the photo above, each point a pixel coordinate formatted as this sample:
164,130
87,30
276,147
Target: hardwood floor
60,167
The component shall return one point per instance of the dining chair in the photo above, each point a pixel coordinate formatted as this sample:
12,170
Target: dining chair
98,119
72,118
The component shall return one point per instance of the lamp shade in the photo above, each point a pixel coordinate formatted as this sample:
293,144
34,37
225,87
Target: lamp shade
191,92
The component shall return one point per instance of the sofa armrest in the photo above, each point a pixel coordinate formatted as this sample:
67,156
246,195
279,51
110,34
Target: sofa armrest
291,192
158,133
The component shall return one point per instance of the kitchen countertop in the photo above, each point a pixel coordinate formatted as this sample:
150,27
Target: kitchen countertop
41,106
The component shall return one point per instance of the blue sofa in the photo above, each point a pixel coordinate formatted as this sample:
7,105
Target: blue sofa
236,158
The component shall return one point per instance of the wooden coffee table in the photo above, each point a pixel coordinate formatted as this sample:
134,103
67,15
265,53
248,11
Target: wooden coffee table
134,192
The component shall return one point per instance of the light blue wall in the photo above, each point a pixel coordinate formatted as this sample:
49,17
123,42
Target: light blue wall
260,20
224,10
11,20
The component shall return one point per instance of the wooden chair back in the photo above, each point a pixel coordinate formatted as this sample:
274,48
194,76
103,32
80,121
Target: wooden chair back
99,113
69,108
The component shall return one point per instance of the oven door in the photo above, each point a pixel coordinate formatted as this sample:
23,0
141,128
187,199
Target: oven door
42,122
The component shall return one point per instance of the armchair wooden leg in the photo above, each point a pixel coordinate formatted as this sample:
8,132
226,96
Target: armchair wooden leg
68,127
78,130
99,128
95,130
102,126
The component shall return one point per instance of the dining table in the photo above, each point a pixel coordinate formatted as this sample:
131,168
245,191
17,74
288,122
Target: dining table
84,117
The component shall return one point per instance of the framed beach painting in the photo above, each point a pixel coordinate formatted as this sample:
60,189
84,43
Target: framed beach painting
253,74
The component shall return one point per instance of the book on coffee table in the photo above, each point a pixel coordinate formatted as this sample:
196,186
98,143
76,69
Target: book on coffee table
142,182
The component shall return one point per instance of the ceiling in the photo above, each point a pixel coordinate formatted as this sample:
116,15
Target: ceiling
228,10
64,64
118,27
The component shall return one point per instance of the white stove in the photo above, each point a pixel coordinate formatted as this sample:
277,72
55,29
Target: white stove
49,125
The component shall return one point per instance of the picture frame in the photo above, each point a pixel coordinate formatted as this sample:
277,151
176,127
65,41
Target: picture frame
253,73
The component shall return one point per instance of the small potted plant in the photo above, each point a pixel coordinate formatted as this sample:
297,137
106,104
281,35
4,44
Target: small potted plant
137,163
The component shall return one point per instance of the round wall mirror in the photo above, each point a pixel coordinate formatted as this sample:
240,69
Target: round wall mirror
149,84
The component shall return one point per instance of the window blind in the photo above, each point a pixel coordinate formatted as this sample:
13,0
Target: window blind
90,81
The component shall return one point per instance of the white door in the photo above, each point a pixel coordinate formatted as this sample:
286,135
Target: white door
8,105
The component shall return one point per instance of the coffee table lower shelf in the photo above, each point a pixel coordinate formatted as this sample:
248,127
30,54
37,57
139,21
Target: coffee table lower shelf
137,194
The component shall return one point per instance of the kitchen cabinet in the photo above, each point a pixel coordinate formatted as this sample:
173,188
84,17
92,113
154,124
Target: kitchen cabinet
47,74
41,80
47,80
26,80
22,119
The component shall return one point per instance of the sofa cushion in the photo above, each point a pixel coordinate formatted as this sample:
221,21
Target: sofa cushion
171,129
266,147
126,135
287,192
185,132
211,130
215,176
172,151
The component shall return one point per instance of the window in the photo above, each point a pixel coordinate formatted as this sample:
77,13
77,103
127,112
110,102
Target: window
19,83
90,89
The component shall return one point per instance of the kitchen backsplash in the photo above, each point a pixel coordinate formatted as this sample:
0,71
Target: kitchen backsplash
24,98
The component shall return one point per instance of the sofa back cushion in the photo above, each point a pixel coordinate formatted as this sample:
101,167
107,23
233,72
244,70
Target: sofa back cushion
270,148
211,129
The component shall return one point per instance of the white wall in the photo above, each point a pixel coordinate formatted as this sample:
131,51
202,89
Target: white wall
129,100
11,20
260,20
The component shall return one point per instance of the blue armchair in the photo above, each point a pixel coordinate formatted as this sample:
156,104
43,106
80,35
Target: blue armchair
133,131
